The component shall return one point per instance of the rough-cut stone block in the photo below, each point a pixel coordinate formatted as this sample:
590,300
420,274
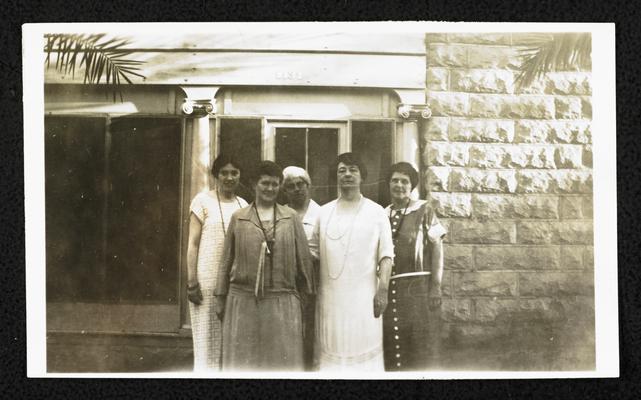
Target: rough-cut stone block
548,310
481,130
483,232
572,257
559,181
444,153
495,284
483,81
480,38
511,106
571,131
588,211
536,156
568,156
517,257
437,179
573,181
483,181
587,155
488,310
437,79
532,131
588,257
514,206
445,104
584,136
556,284
456,310
452,204
436,128
439,55
457,257
555,232
537,86
568,83
528,107
535,181
567,107
570,207
586,107
493,57
565,131
482,156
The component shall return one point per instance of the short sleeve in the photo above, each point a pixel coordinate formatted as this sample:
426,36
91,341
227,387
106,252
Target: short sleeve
385,243
198,208
435,229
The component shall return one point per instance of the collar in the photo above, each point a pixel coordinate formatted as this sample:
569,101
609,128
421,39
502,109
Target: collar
418,204
248,213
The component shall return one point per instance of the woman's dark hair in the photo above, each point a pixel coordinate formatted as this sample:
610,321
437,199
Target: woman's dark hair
351,159
221,161
404,168
268,168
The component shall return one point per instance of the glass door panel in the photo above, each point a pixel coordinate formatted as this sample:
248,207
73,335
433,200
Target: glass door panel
312,148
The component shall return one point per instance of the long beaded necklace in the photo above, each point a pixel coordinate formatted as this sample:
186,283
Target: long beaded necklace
220,210
349,238
270,243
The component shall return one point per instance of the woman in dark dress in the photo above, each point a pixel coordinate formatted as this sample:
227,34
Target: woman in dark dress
415,284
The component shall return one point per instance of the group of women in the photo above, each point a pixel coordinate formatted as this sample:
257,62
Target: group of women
251,274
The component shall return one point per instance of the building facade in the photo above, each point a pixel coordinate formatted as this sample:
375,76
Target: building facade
509,173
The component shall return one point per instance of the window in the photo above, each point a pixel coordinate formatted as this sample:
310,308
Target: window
314,150
112,201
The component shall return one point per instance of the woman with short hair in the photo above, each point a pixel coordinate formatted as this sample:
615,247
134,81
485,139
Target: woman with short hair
210,213
266,273
415,284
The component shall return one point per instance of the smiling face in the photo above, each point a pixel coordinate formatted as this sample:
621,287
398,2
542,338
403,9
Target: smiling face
296,190
228,178
400,187
348,176
267,188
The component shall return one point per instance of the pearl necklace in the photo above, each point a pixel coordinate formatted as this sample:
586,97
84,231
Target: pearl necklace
349,238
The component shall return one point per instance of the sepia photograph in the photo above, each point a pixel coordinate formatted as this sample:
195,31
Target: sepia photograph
392,200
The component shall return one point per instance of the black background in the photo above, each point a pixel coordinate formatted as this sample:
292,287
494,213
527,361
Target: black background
13,381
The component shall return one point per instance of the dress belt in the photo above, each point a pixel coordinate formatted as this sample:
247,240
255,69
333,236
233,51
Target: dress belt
420,273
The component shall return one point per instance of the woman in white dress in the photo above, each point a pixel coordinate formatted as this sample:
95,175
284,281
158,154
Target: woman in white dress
210,215
354,243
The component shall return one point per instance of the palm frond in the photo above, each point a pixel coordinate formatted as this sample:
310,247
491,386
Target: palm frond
553,52
104,59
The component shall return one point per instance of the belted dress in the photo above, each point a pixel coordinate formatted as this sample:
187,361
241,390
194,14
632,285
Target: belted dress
406,321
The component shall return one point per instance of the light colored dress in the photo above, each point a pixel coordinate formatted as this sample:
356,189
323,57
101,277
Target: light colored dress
348,337
205,326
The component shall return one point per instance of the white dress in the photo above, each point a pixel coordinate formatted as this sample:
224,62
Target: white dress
205,326
348,337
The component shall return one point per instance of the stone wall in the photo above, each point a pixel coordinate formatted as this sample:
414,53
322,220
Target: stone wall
509,172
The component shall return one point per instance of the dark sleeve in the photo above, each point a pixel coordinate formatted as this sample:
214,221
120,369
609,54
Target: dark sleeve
304,269
222,279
